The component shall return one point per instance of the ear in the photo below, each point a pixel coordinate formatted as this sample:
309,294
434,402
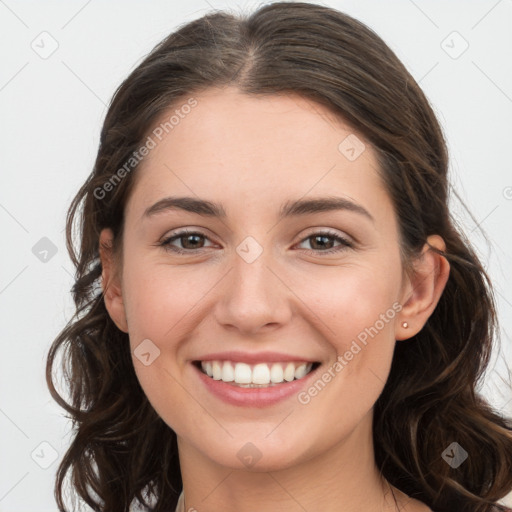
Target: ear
423,289
111,284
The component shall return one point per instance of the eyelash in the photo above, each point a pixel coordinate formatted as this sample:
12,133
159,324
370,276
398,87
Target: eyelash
344,242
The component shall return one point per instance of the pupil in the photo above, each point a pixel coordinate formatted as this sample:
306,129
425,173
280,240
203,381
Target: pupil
322,237
188,237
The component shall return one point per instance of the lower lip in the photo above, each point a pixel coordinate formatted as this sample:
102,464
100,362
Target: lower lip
253,397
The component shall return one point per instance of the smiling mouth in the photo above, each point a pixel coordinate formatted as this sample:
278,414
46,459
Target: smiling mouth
261,375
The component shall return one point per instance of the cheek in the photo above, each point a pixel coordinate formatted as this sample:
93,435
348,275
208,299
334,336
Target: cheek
160,303
352,298
160,300
357,312
357,306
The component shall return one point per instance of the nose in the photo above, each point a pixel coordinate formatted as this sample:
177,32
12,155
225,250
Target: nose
254,297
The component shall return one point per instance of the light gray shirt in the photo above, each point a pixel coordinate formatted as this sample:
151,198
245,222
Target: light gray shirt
180,507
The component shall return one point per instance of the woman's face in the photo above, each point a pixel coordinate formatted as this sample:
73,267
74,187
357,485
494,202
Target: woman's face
266,285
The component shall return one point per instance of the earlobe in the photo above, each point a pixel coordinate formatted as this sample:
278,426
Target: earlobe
426,285
110,282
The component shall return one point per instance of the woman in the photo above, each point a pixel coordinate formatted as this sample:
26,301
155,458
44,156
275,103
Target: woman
289,319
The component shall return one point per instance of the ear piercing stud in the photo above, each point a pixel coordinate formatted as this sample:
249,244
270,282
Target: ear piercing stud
405,325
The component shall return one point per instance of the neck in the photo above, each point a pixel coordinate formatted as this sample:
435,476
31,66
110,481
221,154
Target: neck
343,474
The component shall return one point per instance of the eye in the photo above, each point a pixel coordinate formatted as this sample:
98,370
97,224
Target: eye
193,241
321,243
190,241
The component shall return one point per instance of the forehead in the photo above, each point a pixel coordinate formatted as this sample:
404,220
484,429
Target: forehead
255,149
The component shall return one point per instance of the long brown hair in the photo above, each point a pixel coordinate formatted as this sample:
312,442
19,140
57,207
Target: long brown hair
122,451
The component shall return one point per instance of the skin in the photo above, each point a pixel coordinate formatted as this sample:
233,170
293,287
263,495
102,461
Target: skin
251,154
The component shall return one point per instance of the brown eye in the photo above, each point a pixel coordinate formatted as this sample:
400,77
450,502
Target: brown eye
190,241
323,242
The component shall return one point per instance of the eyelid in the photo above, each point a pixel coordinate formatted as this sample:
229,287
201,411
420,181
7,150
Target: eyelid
328,231
190,230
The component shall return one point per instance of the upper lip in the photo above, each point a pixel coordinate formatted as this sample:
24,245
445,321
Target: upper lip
254,357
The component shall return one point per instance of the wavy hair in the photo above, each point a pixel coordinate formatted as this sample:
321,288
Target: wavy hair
122,453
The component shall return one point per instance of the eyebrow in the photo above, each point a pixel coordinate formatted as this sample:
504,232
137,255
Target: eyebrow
288,209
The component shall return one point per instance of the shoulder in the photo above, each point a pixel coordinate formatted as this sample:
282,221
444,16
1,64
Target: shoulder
414,506
408,504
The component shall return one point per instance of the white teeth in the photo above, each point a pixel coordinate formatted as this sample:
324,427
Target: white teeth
300,371
217,370
207,367
261,374
228,374
276,373
289,372
243,373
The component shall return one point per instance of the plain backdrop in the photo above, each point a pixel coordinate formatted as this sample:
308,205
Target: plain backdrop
60,64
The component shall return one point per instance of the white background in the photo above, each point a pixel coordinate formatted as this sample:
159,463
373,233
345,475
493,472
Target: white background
51,111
